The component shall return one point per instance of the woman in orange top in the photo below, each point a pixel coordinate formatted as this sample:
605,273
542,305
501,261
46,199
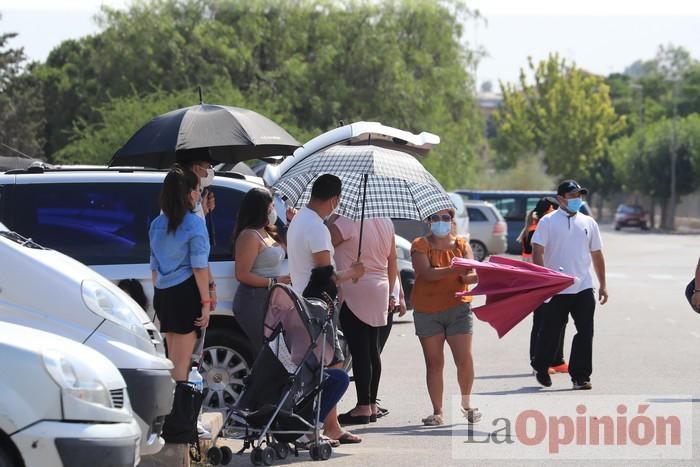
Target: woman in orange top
439,316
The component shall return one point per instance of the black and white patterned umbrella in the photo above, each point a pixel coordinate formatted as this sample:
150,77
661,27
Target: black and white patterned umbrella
397,187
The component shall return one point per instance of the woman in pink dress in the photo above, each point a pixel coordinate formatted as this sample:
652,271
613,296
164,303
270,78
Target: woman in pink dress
365,304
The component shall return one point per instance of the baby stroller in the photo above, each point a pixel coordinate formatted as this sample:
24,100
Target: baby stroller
281,399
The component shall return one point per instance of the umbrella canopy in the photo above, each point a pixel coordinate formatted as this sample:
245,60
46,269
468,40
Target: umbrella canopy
513,289
397,185
229,134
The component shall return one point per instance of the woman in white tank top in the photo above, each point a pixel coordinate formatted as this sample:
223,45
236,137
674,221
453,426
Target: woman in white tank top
258,255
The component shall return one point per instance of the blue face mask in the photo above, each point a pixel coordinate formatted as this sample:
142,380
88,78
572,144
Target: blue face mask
574,204
440,228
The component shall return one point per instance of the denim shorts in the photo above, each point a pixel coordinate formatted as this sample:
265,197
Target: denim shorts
453,321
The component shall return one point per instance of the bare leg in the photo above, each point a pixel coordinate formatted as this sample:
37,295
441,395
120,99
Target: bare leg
461,346
433,352
180,348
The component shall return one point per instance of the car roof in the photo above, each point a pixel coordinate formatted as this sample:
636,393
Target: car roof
96,174
508,192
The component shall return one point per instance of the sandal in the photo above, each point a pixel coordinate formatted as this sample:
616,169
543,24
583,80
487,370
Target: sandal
305,441
433,420
472,415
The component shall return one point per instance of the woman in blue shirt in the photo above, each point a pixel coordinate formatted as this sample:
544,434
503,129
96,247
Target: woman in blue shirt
179,267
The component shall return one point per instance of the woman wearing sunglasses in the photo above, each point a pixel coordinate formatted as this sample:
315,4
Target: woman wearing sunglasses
439,316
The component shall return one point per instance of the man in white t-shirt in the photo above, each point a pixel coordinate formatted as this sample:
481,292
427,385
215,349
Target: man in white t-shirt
309,246
569,241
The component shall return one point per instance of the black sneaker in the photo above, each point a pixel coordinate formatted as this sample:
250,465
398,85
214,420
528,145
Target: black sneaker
543,378
582,385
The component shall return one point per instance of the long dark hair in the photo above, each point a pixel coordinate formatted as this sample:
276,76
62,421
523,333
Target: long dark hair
252,214
175,195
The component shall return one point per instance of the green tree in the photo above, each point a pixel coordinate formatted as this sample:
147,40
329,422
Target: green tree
644,159
306,64
21,109
566,114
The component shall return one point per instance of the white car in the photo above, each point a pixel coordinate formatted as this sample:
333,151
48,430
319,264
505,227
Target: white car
461,215
44,289
62,404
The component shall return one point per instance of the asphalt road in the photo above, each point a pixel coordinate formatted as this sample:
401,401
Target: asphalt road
647,343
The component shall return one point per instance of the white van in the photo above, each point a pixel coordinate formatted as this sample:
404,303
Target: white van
62,404
47,290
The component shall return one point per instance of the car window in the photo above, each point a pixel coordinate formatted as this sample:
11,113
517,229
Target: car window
475,215
509,207
3,190
223,221
100,223
530,204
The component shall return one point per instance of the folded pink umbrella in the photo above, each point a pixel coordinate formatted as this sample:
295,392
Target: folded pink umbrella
513,289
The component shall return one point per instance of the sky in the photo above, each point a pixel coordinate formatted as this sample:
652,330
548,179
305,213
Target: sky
601,36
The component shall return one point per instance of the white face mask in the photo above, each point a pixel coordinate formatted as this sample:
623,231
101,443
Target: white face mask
272,217
208,180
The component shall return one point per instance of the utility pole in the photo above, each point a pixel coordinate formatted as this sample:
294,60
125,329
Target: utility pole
642,139
674,157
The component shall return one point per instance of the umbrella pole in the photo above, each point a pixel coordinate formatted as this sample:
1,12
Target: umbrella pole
362,219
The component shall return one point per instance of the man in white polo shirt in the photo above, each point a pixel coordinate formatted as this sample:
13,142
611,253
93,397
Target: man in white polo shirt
569,241
309,246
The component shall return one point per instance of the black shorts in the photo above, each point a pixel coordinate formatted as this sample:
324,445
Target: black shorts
177,307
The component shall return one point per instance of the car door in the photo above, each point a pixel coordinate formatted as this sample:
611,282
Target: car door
512,208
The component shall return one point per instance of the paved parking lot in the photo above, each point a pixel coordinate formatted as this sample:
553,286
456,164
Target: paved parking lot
647,343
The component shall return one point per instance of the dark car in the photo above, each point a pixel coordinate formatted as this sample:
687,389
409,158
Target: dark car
631,215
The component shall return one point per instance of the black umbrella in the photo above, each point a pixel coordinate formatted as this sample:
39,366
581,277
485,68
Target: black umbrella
227,134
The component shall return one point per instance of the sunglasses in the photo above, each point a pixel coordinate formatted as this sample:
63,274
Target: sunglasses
441,217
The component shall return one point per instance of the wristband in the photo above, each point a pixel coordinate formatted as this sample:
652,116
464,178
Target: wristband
204,302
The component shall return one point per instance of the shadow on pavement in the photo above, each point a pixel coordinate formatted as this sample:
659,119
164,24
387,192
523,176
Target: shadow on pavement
523,390
672,400
515,375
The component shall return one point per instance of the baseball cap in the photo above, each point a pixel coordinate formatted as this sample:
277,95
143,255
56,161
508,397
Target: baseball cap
570,186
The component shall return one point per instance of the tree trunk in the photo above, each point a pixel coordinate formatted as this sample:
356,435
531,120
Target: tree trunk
667,213
652,213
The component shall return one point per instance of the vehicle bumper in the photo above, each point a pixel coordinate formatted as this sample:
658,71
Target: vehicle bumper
151,393
497,245
64,444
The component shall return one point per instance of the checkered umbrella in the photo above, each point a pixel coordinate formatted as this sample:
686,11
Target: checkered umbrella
396,184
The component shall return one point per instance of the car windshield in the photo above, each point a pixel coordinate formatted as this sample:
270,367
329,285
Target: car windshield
629,209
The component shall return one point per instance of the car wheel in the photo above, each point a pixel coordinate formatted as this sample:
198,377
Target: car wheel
479,250
645,226
226,361
617,227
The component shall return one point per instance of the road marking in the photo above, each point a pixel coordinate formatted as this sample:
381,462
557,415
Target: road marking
661,277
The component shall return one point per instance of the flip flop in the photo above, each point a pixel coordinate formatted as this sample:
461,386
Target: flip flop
304,442
349,438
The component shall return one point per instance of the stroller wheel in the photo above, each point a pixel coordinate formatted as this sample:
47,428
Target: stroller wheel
214,455
281,450
325,450
268,456
256,456
226,455
315,452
